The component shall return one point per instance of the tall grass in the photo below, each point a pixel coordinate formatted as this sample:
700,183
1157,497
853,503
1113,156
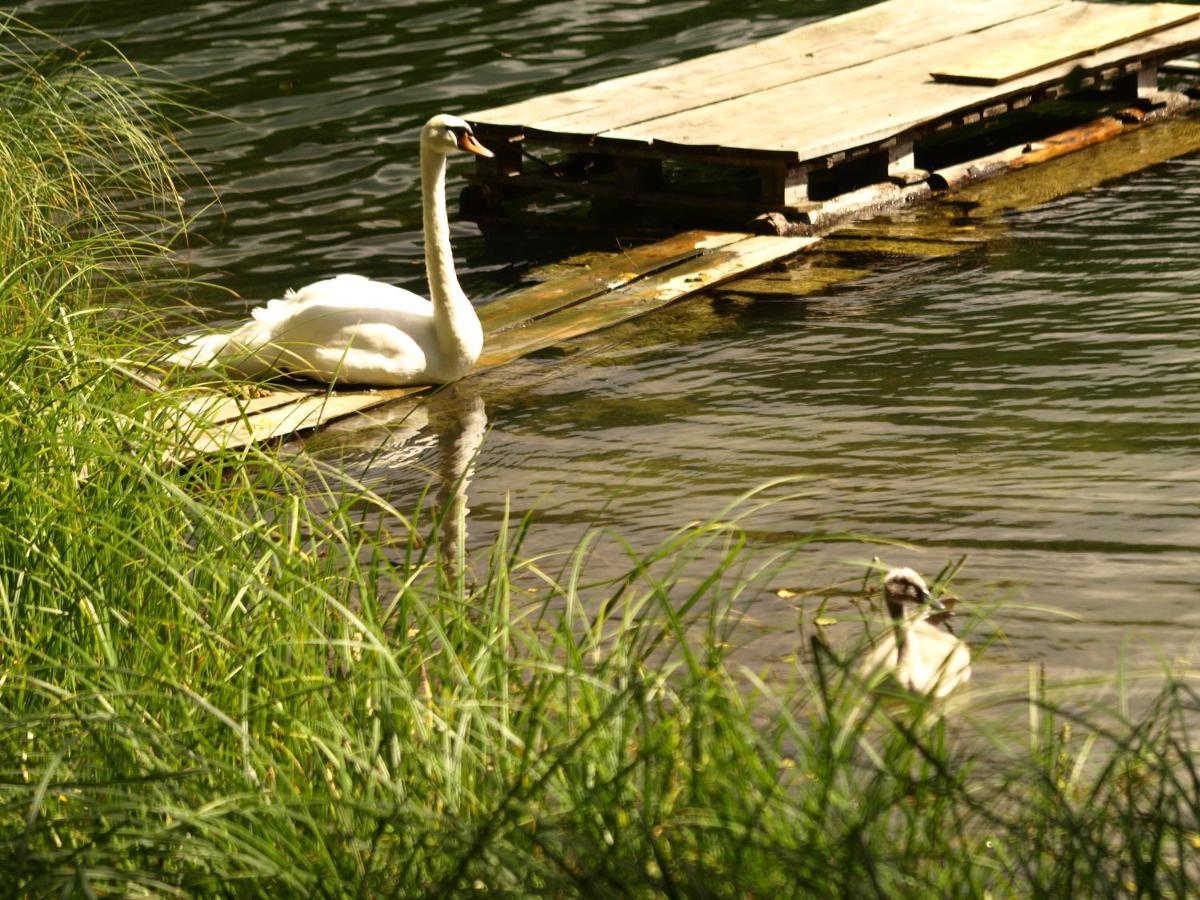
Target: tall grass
255,678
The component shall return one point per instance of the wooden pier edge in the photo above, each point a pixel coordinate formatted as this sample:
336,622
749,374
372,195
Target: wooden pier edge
879,198
842,105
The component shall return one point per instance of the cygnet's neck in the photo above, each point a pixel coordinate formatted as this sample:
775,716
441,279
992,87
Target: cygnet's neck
455,320
906,612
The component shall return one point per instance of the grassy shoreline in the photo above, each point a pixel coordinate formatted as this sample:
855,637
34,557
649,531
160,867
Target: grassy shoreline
259,679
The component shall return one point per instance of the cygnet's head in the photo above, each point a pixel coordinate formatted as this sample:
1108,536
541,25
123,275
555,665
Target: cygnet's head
446,134
904,585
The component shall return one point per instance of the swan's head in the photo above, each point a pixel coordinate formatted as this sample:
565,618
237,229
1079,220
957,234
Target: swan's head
905,586
446,134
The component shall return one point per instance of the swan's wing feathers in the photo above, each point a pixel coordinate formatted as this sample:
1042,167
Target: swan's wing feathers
274,310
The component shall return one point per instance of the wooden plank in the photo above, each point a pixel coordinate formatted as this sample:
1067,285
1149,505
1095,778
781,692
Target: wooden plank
215,408
1067,33
794,283
1136,149
611,292
827,45
308,412
886,247
1181,67
614,271
635,299
888,98
925,229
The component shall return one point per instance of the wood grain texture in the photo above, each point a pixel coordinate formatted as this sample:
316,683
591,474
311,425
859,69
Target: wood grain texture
873,102
213,409
863,84
872,33
1064,33
309,411
711,268
613,271
794,283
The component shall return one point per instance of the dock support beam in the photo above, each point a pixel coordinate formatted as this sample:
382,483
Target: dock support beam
902,165
784,186
1141,84
1147,81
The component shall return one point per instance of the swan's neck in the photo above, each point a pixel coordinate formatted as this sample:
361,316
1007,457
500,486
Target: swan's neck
459,334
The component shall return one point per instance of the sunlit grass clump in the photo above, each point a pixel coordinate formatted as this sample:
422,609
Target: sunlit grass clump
257,678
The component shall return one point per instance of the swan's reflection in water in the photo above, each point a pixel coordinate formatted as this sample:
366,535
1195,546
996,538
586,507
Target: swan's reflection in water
458,419
404,448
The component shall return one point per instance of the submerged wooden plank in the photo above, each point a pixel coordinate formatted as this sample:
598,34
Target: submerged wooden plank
795,283
1065,33
608,294
638,298
310,411
848,243
1136,149
614,271
827,45
214,409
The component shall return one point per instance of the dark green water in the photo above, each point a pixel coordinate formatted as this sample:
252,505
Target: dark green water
1032,405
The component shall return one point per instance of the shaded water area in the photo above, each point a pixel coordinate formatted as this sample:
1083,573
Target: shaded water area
1032,404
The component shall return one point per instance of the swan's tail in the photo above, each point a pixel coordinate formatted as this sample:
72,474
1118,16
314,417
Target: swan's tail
240,350
200,350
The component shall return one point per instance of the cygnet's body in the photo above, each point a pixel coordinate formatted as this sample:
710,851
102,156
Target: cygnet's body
921,656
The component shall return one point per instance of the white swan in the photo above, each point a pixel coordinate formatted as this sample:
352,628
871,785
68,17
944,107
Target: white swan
922,657
357,331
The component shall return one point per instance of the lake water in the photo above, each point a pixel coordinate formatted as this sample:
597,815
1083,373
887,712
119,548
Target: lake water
1033,405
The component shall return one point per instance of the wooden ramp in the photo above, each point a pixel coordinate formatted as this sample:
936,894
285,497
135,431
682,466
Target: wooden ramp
825,108
611,290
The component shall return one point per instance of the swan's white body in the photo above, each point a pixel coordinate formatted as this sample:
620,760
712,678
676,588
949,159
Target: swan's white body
919,655
353,330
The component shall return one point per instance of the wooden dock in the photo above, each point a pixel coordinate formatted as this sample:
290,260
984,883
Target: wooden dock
831,120
821,110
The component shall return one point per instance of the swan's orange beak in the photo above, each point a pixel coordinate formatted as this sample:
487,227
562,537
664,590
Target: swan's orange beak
468,141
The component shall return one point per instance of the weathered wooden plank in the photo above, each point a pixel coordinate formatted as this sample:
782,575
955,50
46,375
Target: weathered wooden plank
848,243
614,271
711,268
794,283
1181,67
925,228
888,98
216,408
308,412
611,292
1062,34
813,49
1132,151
